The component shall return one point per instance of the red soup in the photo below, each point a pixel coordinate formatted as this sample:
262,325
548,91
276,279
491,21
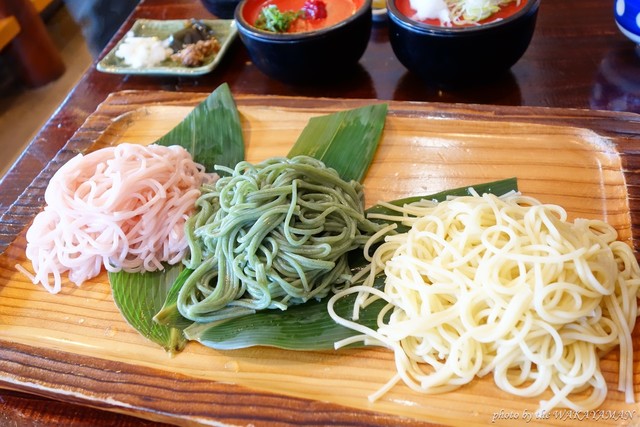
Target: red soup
311,14
404,6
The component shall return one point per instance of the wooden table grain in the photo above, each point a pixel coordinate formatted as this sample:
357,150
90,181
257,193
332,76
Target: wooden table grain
577,59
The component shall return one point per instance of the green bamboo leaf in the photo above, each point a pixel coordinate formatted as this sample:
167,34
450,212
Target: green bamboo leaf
308,326
345,141
213,135
212,132
169,315
139,296
499,187
303,327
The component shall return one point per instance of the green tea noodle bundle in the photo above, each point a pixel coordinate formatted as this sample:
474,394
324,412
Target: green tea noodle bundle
270,235
503,285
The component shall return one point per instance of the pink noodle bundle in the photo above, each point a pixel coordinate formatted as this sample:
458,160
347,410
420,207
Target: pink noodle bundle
121,207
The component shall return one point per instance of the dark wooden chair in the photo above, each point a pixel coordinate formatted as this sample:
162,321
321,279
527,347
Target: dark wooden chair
24,38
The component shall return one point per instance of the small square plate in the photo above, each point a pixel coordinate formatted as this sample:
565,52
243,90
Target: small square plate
225,31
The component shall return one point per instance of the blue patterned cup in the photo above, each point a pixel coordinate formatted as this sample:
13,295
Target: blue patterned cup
627,15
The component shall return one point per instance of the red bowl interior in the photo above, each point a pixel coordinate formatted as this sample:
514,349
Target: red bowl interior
404,7
337,11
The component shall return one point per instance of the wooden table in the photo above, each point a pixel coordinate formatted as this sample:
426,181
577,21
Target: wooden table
577,59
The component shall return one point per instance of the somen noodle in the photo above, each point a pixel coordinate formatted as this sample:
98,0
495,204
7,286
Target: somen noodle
121,208
503,286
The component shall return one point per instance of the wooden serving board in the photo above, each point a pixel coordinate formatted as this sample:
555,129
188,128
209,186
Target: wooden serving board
75,346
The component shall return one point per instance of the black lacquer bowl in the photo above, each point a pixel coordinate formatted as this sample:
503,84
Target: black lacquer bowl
458,55
306,57
223,9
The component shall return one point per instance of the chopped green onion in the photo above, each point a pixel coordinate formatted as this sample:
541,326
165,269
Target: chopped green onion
272,19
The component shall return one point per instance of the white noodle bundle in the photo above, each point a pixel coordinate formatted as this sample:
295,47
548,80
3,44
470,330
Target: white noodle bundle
507,286
120,207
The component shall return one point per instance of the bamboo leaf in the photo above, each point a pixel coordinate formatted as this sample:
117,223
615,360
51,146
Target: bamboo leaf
139,296
495,187
309,326
303,327
169,315
499,187
212,132
346,140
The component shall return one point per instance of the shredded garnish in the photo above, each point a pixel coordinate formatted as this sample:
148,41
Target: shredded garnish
458,12
274,20
473,11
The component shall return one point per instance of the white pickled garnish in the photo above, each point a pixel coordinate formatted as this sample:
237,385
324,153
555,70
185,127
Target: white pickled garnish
139,52
431,9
